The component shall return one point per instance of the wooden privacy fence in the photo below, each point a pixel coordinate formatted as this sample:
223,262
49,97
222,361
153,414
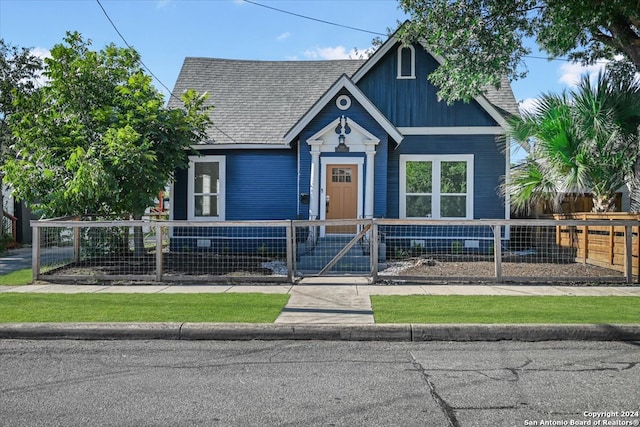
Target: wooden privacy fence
604,245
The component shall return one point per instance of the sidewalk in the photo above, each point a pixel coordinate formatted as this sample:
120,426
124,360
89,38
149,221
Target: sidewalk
319,311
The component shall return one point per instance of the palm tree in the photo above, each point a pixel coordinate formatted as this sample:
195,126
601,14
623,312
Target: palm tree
586,140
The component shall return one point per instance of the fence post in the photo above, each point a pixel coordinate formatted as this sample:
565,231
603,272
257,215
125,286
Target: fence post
76,244
290,234
373,251
497,251
628,273
159,266
35,251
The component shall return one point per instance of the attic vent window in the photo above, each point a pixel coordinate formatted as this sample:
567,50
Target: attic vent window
406,62
343,102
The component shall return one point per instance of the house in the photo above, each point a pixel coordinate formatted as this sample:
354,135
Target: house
338,139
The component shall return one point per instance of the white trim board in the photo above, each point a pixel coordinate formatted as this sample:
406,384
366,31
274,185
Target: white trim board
256,146
453,130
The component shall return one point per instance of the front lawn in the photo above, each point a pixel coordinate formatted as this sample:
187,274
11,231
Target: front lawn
32,307
505,309
15,278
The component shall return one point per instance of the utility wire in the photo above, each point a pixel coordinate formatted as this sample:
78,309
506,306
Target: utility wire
314,19
373,32
149,69
130,47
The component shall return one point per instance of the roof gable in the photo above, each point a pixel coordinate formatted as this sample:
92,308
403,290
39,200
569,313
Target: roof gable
346,83
498,103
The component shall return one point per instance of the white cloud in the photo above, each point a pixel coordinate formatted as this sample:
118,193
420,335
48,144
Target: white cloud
570,73
283,36
338,52
42,54
527,104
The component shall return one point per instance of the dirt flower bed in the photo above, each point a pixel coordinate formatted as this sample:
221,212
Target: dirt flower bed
480,269
423,268
173,264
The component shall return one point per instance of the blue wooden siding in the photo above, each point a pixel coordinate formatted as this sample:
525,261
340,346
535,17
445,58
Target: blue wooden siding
260,185
358,114
489,168
414,102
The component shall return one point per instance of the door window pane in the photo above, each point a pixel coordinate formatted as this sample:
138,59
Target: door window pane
340,174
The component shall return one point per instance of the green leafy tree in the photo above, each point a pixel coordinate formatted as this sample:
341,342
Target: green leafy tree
96,139
19,69
583,140
483,40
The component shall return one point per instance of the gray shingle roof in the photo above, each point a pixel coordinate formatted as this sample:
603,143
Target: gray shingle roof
257,102
503,98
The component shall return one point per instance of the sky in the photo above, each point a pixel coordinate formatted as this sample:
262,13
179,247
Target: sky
164,32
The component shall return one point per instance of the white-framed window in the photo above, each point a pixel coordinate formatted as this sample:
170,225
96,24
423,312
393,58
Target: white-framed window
406,62
206,188
436,186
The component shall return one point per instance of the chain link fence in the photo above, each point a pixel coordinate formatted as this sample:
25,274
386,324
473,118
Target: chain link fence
384,250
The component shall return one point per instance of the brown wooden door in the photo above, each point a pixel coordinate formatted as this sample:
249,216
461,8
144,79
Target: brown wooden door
342,196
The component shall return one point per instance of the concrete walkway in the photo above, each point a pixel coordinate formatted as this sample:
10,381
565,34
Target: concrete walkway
324,304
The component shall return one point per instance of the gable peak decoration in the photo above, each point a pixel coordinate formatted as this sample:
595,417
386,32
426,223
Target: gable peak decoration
342,130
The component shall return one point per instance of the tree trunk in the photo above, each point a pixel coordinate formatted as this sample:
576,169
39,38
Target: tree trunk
604,203
138,238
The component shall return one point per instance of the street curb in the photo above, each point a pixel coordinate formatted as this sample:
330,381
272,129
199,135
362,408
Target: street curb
325,332
90,331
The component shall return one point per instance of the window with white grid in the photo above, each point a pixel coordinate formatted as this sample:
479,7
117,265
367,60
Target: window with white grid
436,186
206,188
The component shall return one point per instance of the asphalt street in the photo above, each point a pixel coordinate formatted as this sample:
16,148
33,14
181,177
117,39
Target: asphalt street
309,383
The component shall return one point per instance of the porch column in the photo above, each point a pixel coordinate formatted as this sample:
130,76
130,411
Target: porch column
370,150
314,187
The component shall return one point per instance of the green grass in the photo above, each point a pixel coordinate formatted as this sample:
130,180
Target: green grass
231,307
505,309
20,277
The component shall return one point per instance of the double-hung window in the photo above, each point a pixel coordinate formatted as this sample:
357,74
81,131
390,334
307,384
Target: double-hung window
436,186
206,188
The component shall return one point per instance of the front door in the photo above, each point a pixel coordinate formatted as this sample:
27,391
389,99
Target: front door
342,196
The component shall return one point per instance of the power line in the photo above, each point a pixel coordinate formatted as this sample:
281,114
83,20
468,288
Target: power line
314,19
130,47
374,32
149,70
